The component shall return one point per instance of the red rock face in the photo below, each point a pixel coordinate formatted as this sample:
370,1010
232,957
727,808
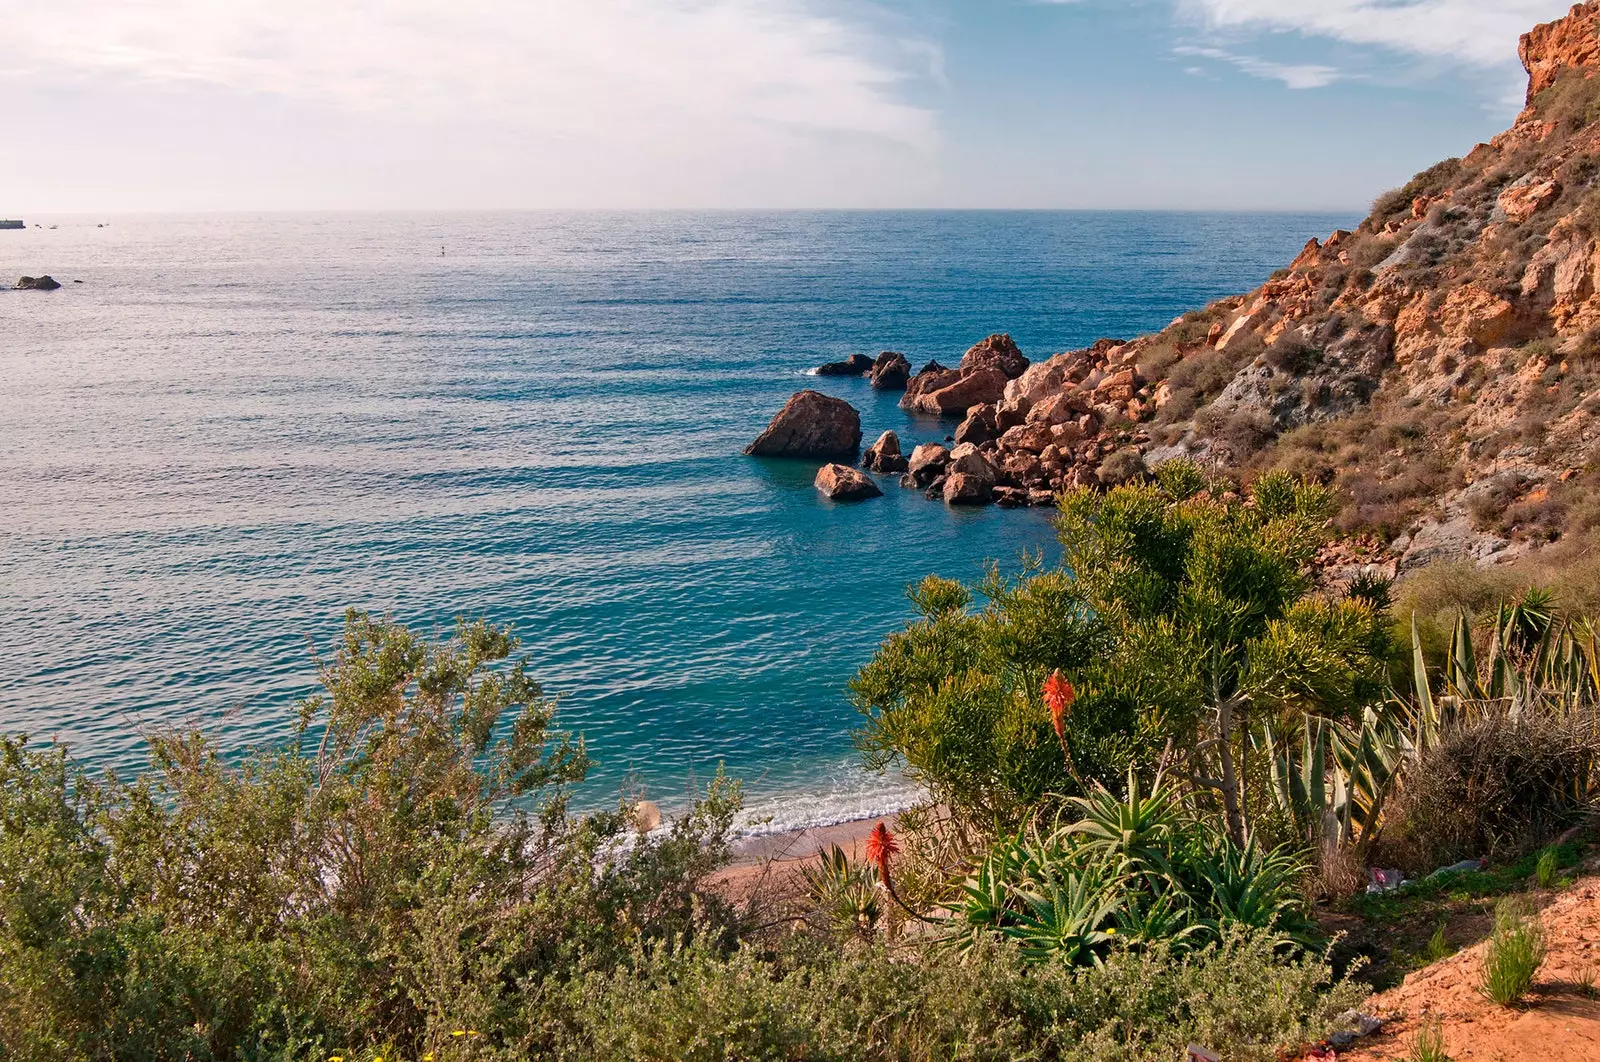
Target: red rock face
1565,44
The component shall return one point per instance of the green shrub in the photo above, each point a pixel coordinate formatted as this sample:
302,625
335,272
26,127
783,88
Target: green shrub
1438,946
871,1003
1514,953
1165,604
1544,872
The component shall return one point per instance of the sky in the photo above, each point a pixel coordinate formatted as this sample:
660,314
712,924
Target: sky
192,105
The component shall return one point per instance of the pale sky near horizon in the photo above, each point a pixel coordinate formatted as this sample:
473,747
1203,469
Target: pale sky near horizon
176,105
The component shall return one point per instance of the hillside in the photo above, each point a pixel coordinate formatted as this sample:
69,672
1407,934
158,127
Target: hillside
1439,364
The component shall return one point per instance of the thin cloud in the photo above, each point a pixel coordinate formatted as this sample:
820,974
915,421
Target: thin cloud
1293,75
606,69
1475,32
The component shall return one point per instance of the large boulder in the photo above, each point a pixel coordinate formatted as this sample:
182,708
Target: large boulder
855,365
44,283
968,460
891,372
843,483
884,456
932,377
811,424
975,388
927,463
996,352
1030,437
979,427
963,489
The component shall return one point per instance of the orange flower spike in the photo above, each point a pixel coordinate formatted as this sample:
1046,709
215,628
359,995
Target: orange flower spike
1059,695
881,847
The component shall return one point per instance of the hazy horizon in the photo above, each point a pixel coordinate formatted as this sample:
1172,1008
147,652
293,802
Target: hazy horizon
181,106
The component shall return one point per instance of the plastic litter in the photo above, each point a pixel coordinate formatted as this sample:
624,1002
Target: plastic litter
1353,1025
1380,880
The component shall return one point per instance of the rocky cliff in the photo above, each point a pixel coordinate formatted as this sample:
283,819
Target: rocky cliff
1440,365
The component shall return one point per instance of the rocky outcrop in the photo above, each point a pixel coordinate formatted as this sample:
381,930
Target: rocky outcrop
980,380
968,389
891,372
44,283
854,365
884,456
1450,341
843,483
1571,43
811,424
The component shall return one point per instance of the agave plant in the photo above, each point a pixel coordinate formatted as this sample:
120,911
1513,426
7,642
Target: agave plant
1335,790
843,892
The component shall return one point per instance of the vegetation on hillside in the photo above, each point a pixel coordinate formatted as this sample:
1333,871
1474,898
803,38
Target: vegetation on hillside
1146,763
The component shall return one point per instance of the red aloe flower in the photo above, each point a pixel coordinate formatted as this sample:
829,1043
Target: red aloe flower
881,847
1059,695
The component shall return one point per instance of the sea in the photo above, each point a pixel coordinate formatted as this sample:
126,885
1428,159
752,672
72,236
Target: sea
225,430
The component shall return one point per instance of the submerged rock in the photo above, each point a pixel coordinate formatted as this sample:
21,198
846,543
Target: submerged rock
843,483
811,424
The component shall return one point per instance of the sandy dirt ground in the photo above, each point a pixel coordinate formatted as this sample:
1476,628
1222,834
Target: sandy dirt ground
1558,1022
766,865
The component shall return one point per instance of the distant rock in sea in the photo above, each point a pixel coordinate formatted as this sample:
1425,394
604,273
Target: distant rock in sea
811,424
855,365
44,283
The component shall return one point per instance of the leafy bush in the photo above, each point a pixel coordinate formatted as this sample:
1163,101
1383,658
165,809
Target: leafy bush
1173,614
1514,954
405,869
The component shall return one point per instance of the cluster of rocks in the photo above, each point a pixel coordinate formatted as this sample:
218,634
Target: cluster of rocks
44,283
889,371
1027,430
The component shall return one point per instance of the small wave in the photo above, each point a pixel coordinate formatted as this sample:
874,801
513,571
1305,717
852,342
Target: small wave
791,812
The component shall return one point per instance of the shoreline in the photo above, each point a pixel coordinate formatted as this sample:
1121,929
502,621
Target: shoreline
768,861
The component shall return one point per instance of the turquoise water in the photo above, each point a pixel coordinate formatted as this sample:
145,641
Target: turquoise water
238,426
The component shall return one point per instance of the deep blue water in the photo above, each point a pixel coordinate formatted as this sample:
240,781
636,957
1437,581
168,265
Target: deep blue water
237,426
